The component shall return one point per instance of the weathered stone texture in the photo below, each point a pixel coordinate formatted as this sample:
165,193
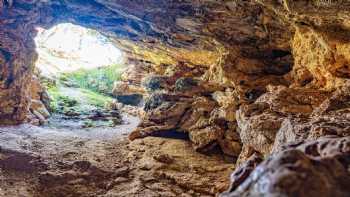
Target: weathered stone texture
246,76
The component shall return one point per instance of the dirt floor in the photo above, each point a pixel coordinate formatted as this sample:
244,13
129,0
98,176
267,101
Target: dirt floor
50,162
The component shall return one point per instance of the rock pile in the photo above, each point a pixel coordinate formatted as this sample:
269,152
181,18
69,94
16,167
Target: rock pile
246,76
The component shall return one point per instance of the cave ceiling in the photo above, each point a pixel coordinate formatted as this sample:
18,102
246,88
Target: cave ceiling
249,37
249,76
202,26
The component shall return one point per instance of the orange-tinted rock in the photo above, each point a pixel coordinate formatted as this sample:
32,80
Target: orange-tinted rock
266,73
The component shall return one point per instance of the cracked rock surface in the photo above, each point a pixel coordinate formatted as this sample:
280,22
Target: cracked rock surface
263,82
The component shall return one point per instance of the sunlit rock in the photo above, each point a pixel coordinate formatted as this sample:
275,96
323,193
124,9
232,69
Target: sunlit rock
246,77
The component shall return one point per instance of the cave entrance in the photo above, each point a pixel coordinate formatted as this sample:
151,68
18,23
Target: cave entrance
77,68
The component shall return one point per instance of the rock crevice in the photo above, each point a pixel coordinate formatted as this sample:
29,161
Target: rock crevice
249,77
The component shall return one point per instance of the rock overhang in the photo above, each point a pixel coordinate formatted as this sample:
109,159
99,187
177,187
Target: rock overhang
248,36
259,63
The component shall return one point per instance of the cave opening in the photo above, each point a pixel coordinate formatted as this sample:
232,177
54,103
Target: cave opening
76,71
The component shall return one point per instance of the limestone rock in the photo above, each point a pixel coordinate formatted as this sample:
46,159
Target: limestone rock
267,73
124,88
38,106
40,101
230,143
268,116
40,117
242,173
328,63
167,112
228,103
293,101
329,118
315,168
164,111
258,126
173,160
205,139
32,119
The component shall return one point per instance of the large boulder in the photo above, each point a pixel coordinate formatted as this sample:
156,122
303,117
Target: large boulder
195,116
164,111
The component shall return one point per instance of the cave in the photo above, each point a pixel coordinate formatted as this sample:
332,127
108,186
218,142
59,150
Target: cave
227,98
74,75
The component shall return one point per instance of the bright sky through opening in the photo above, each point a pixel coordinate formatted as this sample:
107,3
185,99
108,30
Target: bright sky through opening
67,47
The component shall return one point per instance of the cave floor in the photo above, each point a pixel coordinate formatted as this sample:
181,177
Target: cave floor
44,161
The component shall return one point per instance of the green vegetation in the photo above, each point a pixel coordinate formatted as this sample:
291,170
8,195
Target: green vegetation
99,80
61,101
55,98
78,91
94,98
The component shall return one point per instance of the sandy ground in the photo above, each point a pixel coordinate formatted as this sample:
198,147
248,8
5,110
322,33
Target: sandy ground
50,162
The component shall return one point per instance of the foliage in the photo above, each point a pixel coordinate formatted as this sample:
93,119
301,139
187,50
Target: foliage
55,97
62,103
99,80
79,92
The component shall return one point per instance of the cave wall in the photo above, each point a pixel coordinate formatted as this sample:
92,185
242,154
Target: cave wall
163,33
259,79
